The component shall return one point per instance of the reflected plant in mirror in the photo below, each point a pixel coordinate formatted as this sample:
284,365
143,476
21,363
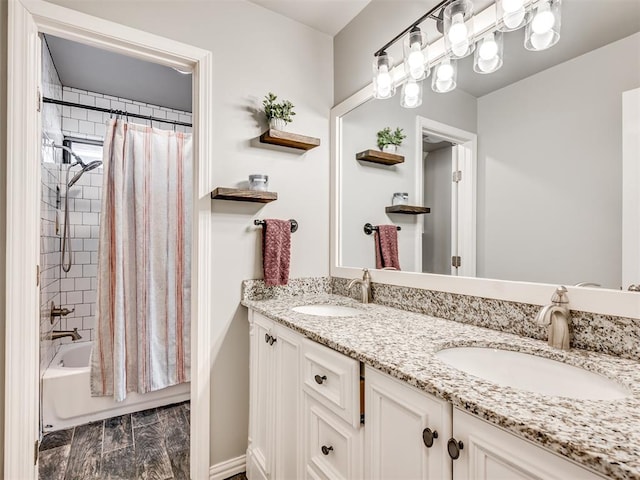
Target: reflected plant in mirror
388,140
530,173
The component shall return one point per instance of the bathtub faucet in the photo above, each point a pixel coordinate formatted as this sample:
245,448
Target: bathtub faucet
66,333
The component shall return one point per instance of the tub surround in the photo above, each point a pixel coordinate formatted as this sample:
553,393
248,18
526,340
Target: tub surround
600,435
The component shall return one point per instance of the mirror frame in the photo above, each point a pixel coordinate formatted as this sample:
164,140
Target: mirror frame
595,300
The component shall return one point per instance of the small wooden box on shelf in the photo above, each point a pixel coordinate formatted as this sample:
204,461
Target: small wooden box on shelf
240,195
376,156
288,139
407,209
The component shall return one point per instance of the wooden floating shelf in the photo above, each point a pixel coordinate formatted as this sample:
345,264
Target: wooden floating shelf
376,156
287,139
239,195
407,209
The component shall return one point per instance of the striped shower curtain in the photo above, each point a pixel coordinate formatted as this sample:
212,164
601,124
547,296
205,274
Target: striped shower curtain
144,262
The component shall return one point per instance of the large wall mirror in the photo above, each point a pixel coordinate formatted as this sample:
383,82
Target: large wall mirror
547,193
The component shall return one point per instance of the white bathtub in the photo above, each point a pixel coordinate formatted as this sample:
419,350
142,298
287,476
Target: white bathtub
66,395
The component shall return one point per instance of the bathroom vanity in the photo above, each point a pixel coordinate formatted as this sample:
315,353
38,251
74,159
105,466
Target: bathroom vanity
363,395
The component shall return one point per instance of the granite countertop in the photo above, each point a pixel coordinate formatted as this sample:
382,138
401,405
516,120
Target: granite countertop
603,435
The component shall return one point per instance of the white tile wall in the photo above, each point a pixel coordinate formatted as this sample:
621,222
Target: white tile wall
51,116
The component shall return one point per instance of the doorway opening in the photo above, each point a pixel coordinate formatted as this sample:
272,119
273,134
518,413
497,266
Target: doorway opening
446,181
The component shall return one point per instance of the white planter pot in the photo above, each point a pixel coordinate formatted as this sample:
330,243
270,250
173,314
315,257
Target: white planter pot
390,148
277,124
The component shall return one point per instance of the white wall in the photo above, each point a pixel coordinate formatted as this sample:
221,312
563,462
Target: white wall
562,155
254,51
367,188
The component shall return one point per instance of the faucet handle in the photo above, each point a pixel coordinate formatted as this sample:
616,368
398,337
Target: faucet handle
560,295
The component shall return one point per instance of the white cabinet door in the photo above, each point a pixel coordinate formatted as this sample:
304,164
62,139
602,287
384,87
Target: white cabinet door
261,418
397,417
287,404
490,453
275,397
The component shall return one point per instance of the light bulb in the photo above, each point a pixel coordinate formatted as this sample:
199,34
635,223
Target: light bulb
384,82
540,41
416,61
445,72
460,49
544,20
458,30
411,89
488,48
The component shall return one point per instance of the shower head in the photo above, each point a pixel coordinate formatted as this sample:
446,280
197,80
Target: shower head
85,168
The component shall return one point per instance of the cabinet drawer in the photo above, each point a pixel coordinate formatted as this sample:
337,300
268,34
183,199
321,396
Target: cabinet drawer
332,448
333,379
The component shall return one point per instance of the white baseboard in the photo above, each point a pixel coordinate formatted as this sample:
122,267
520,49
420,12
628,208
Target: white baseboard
227,469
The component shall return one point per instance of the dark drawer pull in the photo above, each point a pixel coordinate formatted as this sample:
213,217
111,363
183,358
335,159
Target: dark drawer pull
428,437
320,379
267,337
453,447
273,340
326,450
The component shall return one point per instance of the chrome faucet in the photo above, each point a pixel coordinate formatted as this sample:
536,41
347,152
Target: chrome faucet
365,285
66,333
556,318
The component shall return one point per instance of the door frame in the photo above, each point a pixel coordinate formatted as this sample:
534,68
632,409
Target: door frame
27,19
463,220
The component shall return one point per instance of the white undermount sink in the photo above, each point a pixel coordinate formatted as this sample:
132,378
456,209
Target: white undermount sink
327,310
532,373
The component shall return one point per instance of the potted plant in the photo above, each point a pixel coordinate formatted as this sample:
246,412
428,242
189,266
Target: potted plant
389,141
278,113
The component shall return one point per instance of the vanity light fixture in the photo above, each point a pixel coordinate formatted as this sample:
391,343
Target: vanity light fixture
411,93
384,85
488,55
544,29
458,28
445,76
415,54
455,20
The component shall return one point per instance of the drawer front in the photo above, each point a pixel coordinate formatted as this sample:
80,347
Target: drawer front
333,379
332,447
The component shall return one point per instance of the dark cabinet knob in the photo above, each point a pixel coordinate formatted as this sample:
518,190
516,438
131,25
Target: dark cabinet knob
320,379
273,340
428,437
267,337
454,447
326,450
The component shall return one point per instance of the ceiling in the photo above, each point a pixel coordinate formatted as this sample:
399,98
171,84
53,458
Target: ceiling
327,16
89,68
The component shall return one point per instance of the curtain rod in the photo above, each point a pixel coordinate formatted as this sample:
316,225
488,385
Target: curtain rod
114,112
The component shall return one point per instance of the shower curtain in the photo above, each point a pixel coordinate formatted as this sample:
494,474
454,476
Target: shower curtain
144,262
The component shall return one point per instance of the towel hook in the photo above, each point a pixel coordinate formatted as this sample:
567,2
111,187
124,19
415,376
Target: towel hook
294,224
369,229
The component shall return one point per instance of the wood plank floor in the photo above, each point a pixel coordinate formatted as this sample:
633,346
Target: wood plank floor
151,445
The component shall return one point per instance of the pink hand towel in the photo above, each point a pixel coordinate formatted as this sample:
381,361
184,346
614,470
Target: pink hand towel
276,251
386,241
